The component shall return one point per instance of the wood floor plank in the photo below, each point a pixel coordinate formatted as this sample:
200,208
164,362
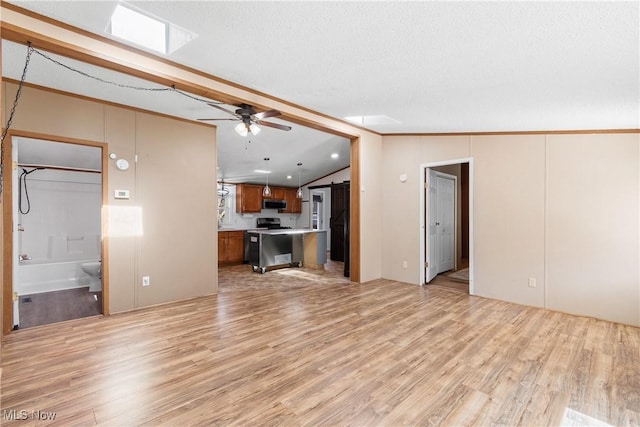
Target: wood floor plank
306,347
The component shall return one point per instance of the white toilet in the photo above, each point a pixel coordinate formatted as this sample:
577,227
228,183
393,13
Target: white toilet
94,270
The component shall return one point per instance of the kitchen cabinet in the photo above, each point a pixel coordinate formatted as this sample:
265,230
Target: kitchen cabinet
248,198
294,205
230,247
277,193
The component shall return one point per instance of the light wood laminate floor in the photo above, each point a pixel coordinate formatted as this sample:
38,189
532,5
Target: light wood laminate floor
306,347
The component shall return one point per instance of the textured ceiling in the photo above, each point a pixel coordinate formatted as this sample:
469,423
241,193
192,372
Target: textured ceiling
431,66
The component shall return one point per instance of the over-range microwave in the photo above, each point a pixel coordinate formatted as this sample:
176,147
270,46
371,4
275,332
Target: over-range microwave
274,204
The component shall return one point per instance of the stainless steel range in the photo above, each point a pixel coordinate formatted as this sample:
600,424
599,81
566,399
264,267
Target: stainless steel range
270,224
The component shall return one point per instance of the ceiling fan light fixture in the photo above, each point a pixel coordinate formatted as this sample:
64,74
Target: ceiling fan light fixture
254,129
241,129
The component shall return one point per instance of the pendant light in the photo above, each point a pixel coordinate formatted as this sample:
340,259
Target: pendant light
299,192
266,191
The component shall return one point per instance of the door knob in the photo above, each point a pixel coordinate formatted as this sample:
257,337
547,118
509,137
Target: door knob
437,223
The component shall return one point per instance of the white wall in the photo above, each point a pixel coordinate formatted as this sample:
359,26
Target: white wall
592,226
562,209
371,201
508,208
404,155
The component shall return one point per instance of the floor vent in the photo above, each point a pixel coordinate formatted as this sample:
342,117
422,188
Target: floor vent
26,299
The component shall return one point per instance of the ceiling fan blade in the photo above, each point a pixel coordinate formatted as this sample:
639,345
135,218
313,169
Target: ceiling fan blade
273,125
233,120
224,109
266,114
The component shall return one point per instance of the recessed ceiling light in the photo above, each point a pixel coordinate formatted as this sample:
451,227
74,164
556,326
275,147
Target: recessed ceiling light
375,119
288,176
138,27
335,155
261,171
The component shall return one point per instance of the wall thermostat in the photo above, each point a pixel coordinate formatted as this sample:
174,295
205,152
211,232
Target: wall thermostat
122,164
120,194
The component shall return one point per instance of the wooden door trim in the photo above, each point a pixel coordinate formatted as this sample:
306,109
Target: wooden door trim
354,212
7,246
7,223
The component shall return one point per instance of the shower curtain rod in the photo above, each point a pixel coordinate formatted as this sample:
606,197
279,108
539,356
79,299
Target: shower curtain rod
61,168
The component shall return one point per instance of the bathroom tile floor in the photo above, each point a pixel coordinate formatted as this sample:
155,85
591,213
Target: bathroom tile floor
58,306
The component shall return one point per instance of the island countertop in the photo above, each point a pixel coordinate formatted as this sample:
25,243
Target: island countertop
286,231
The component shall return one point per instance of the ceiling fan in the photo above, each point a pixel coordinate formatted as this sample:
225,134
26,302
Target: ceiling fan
248,118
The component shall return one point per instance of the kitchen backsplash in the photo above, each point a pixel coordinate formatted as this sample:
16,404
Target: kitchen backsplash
246,221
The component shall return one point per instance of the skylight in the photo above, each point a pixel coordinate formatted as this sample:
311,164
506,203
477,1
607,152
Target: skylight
137,27
372,120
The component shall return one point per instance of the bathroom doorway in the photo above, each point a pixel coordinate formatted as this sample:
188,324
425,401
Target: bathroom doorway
57,193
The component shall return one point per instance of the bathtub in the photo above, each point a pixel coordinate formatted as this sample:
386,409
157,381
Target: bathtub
35,277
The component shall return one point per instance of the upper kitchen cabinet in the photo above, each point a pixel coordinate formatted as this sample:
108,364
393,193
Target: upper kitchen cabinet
248,198
277,193
294,205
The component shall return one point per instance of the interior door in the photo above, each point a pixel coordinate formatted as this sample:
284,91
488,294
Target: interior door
445,222
338,222
430,196
347,229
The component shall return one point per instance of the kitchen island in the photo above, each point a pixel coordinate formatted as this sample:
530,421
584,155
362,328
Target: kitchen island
293,247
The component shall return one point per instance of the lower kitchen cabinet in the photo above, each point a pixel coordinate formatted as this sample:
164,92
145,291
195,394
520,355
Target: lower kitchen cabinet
230,247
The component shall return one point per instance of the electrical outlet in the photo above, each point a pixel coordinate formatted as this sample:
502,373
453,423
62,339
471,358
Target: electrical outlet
146,281
532,282
404,264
